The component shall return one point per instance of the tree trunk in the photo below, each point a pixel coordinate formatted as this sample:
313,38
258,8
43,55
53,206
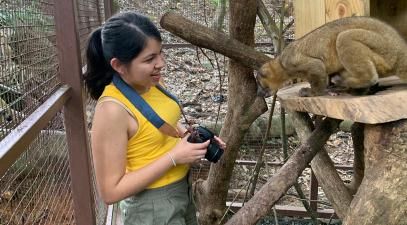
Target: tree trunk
382,195
244,106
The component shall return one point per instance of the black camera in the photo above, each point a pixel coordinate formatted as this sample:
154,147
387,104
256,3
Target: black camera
201,134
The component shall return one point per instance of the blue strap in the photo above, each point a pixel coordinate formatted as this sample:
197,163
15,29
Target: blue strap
139,102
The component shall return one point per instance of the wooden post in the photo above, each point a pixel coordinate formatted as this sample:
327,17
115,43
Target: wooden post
312,14
308,17
313,195
69,56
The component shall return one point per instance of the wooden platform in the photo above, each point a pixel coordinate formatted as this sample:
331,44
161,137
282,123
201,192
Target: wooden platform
385,106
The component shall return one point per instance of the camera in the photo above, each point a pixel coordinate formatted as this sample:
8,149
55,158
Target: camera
201,134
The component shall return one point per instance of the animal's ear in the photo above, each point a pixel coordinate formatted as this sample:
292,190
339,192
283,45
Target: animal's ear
264,69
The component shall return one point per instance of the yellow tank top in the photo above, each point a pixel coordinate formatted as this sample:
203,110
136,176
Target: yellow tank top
149,143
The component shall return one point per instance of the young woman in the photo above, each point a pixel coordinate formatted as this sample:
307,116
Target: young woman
141,166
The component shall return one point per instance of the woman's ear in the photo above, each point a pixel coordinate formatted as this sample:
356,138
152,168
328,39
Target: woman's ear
117,65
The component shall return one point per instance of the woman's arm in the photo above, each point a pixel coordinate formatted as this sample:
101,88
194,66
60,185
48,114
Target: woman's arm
110,134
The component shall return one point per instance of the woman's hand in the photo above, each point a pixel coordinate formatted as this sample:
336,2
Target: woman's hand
185,152
182,131
221,143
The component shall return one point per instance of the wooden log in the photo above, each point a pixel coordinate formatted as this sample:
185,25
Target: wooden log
205,37
261,203
384,106
324,169
382,196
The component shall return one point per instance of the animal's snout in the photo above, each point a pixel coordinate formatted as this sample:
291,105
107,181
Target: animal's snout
262,91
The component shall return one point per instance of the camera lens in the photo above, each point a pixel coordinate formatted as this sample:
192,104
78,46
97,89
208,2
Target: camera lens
213,153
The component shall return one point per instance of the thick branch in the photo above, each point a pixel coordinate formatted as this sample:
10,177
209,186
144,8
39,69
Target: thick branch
275,188
205,37
322,165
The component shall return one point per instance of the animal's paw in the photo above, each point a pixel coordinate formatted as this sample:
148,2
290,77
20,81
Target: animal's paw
336,91
336,80
305,92
309,92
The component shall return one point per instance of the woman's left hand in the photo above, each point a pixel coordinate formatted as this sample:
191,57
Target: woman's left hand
221,143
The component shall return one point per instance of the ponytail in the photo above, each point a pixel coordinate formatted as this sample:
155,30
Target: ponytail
98,73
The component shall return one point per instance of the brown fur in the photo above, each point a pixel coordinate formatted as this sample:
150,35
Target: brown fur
358,49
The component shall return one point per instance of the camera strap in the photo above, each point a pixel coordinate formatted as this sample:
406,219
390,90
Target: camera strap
145,108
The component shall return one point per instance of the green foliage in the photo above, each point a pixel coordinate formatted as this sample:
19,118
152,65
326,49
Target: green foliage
216,3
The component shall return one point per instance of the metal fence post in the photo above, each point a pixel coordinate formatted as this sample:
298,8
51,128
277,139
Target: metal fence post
76,130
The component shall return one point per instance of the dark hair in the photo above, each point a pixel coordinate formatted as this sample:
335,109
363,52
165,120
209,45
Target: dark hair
123,36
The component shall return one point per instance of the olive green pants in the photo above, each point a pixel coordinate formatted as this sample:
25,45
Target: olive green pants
169,205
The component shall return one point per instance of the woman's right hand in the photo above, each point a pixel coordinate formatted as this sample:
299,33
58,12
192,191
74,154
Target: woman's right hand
185,152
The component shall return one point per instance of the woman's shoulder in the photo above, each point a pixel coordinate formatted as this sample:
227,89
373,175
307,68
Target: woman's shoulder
110,107
110,90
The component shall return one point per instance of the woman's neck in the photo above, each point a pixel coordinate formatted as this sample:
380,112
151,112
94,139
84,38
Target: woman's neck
140,89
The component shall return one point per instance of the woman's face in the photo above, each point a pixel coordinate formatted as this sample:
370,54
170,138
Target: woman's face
144,71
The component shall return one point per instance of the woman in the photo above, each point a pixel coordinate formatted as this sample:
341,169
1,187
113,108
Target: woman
141,166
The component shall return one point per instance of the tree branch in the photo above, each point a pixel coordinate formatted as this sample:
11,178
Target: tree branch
261,204
205,37
323,168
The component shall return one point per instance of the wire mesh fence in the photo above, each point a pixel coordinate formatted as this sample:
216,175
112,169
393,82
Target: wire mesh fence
36,189
28,60
90,16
